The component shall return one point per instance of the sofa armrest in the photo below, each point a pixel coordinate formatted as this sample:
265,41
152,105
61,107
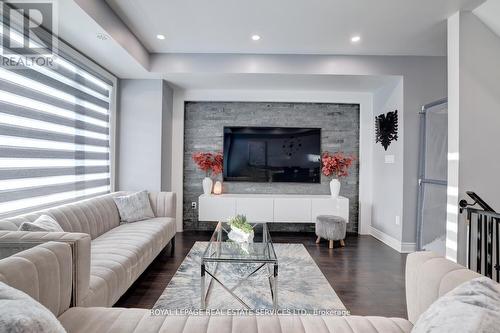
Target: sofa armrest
428,277
163,203
12,242
43,272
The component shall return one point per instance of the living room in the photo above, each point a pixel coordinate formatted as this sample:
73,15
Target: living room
291,166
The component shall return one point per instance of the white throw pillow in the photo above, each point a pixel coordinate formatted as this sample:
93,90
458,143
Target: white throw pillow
472,307
134,207
21,313
42,223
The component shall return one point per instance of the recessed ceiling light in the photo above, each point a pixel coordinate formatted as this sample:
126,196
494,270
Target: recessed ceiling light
160,36
355,39
255,37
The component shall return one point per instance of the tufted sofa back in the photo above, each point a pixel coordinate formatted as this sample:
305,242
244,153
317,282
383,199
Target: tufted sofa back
428,277
93,216
43,272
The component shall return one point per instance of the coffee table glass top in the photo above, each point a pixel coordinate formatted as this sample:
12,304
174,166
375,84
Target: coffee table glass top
221,248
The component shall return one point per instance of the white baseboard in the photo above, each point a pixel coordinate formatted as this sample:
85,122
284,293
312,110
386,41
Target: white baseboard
397,245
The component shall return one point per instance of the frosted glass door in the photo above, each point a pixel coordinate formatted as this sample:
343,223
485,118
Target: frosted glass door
433,180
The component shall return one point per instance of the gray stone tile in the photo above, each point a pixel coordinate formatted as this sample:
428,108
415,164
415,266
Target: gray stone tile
204,122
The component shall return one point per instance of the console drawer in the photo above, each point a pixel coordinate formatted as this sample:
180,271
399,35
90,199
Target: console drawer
292,210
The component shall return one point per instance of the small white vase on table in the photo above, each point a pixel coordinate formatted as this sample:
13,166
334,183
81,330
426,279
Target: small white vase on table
207,185
334,188
241,230
211,164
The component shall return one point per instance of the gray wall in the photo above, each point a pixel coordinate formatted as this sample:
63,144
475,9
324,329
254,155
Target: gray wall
479,110
203,126
387,178
474,119
424,80
144,139
166,135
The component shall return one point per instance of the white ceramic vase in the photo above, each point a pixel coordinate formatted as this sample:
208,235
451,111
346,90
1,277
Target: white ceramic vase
334,188
207,185
239,236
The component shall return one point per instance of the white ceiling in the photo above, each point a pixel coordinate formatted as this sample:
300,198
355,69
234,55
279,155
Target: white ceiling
387,27
489,13
80,30
344,83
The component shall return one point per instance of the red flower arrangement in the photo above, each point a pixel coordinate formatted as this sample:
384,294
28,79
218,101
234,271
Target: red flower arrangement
208,162
336,165
217,166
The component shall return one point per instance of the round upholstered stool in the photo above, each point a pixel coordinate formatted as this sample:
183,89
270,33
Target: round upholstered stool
332,228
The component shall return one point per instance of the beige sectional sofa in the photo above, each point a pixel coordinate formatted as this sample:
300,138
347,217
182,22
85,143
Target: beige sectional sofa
107,256
44,272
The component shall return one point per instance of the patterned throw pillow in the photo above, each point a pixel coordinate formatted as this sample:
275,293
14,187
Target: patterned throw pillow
42,223
134,207
21,313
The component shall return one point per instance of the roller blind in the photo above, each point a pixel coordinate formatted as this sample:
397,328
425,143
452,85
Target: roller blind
54,135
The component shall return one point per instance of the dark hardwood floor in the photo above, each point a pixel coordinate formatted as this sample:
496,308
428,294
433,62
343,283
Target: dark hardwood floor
367,275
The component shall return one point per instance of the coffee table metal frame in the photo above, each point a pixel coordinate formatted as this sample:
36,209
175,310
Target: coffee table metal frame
214,254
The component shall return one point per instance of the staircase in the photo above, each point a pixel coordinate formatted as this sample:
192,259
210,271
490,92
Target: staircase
483,237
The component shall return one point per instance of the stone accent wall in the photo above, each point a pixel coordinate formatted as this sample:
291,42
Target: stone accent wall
203,131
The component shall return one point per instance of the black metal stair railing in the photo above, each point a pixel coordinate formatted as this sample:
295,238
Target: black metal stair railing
483,242
483,245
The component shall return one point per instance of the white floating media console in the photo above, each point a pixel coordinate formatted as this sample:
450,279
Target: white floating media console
291,208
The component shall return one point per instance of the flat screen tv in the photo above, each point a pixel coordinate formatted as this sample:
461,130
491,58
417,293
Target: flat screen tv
272,154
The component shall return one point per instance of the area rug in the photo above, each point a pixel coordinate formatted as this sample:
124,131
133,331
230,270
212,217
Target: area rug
302,287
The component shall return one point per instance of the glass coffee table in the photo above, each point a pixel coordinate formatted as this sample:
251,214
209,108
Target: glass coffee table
259,255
